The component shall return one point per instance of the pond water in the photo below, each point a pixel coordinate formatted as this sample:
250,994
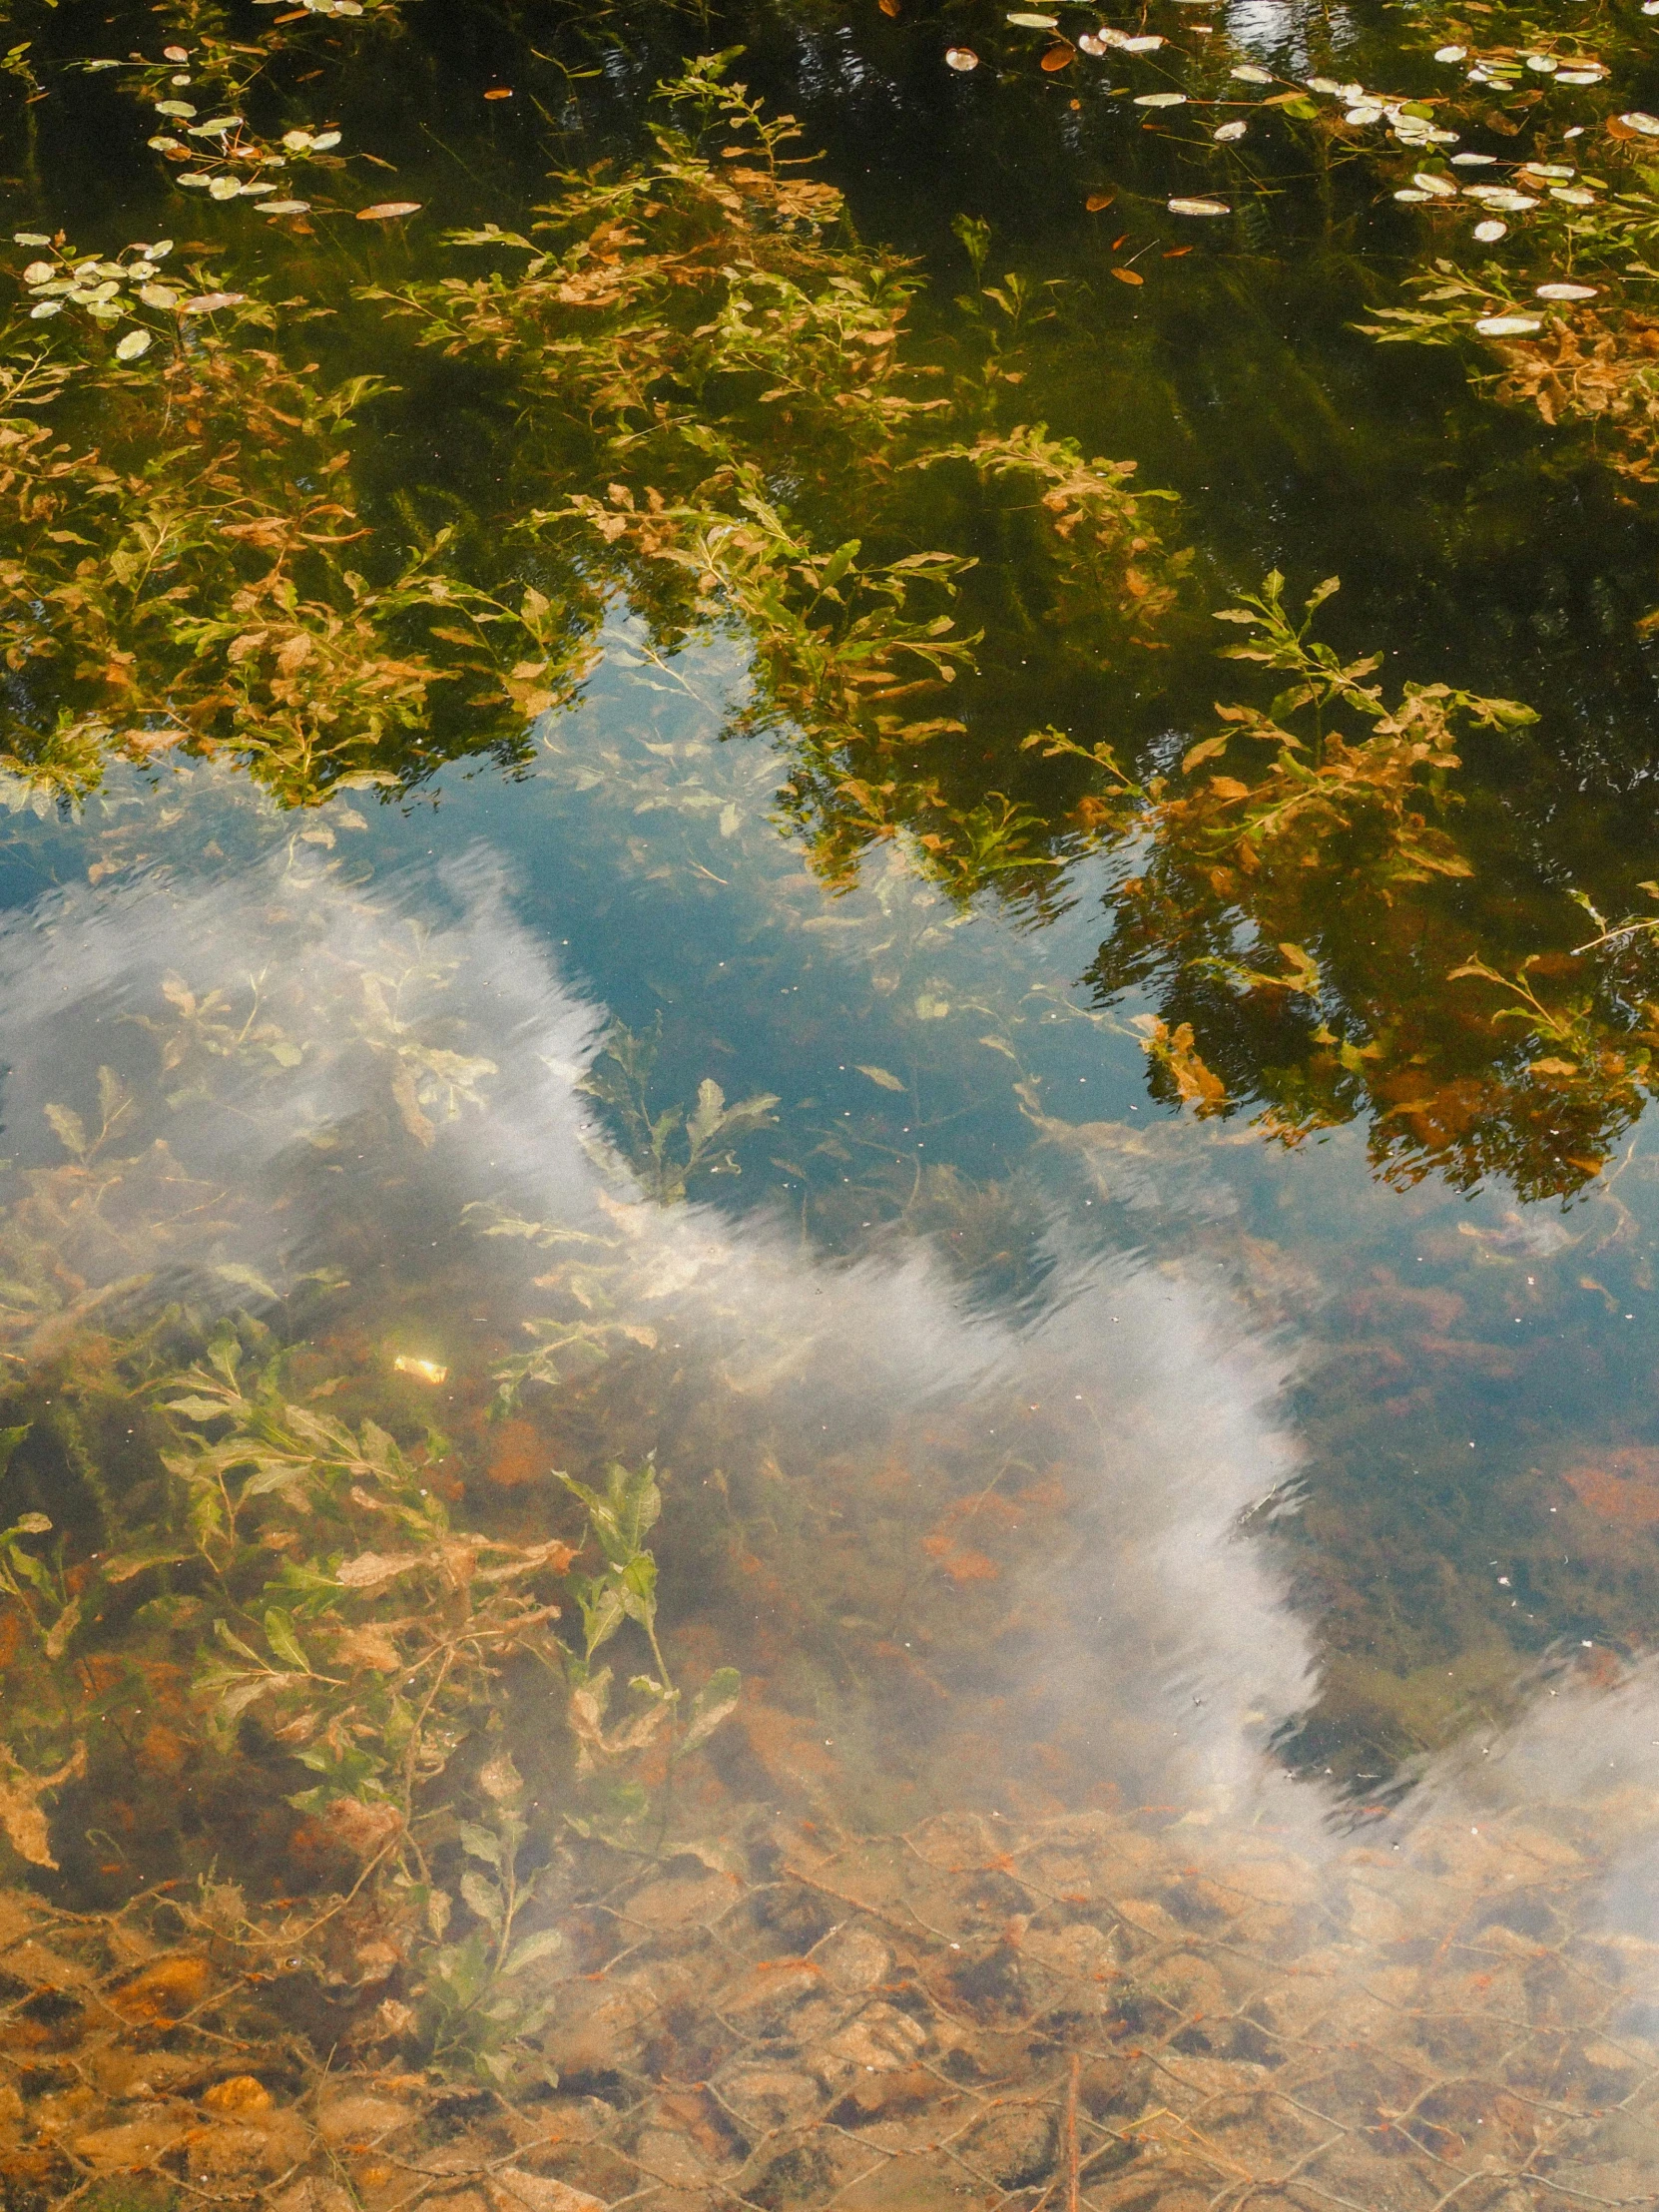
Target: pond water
758,1223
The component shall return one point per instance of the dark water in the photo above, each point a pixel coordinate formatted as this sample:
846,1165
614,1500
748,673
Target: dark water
1030,1442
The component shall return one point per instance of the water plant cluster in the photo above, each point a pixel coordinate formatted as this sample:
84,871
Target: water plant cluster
254,1584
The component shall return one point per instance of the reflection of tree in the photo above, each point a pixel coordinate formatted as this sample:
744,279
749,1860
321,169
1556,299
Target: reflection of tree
1292,921
721,418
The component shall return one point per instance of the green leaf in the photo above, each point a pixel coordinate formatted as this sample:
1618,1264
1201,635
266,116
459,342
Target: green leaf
196,1408
68,1129
715,1700
540,1946
279,1634
484,1898
480,1843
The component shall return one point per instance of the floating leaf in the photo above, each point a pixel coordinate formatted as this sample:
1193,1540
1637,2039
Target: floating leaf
1098,199
962,57
1160,99
132,344
1490,232
1057,57
1228,131
1250,75
1199,206
1029,22
1565,292
1129,276
887,1081
210,302
1451,53
1645,126
1508,326
387,211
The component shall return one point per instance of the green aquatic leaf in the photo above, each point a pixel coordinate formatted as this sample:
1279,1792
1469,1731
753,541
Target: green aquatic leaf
68,1129
713,1703
531,1950
280,1635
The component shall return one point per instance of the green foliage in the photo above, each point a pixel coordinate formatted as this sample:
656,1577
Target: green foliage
666,1149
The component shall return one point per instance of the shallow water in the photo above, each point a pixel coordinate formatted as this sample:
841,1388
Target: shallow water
1044,1428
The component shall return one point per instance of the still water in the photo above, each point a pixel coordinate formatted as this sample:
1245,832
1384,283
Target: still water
1120,1281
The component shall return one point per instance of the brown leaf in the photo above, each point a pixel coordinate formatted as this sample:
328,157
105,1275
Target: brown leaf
241,2095
1129,276
373,1568
369,1647
1099,200
165,1989
511,2191
1058,57
131,2146
408,1108
20,1813
386,211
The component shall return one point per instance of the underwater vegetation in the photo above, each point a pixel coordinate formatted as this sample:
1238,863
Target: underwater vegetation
480,1663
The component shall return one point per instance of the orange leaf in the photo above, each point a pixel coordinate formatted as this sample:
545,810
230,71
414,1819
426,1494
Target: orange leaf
1129,276
1098,199
1057,57
385,210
